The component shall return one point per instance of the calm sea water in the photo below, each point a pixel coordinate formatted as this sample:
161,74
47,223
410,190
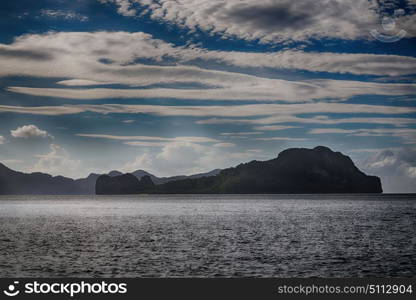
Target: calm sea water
207,236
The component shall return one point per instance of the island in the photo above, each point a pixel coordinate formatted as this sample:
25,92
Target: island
295,170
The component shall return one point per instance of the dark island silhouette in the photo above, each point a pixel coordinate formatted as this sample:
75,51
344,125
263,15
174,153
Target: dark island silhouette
318,170
297,170
18,183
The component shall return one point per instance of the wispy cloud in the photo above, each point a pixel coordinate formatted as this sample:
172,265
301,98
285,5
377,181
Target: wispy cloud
281,139
273,127
408,134
241,133
278,112
249,88
224,145
63,14
190,139
282,118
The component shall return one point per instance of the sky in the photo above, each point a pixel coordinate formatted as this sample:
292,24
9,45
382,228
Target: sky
186,86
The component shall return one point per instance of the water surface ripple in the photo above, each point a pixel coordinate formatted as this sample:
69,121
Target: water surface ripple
208,236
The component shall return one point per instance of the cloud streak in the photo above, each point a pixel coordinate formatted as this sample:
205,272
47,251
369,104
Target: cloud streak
271,21
259,90
102,58
407,134
277,112
189,139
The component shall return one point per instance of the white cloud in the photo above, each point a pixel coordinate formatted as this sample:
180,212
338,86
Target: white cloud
186,158
330,130
189,139
57,162
396,167
81,82
29,131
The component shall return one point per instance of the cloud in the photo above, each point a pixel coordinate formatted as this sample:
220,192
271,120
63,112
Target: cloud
241,133
224,145
273,127
2,140
100,58
269,113
57,162
11,161
272,21
29,131
258,90
407,134
283,118
396,167
23,54
147,144
124,7
255,150
186,158
190,139
330,130
81,82
62,14
281,139
43,110
359,64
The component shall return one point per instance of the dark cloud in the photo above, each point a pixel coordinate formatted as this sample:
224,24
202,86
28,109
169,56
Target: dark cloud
272,17
25,54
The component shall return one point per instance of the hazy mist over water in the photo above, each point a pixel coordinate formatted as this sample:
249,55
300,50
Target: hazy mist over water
208,235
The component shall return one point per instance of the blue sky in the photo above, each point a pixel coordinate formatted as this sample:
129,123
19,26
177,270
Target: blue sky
186,86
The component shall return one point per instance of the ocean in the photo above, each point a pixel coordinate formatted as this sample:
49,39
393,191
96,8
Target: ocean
208,236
